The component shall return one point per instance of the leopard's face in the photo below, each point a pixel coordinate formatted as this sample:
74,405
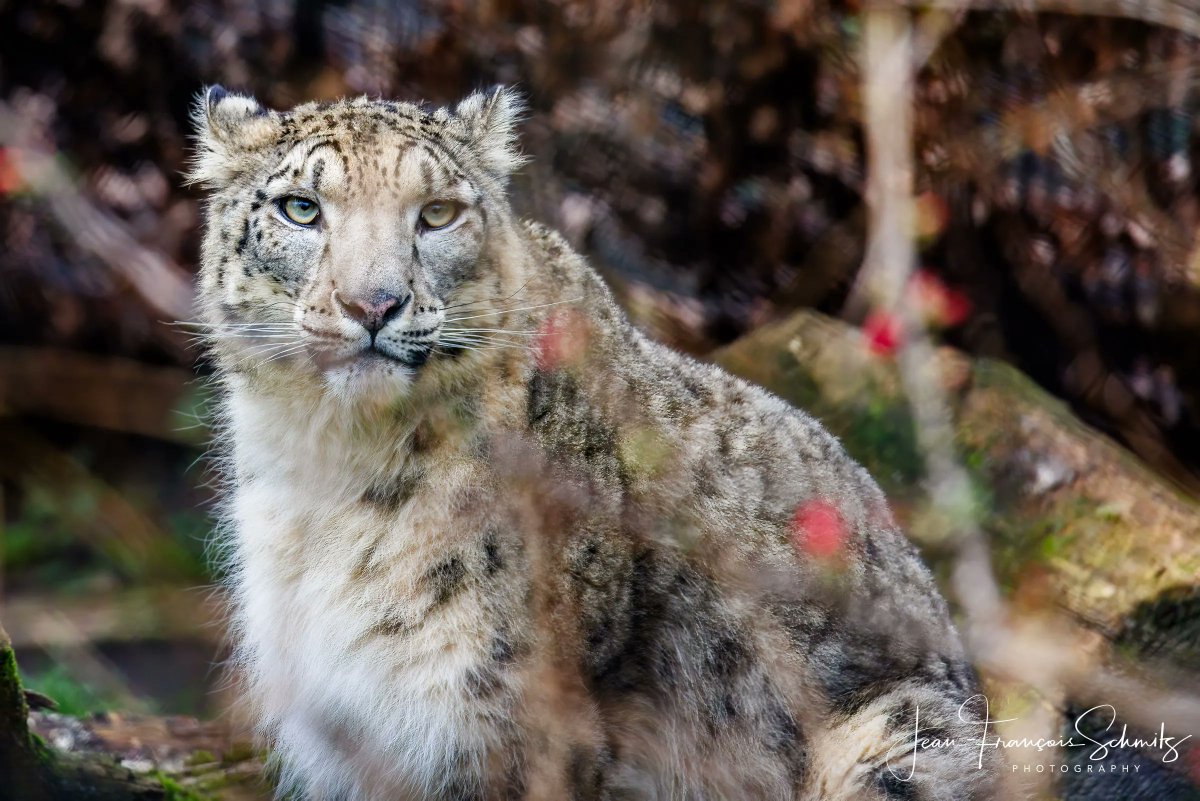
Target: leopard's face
339,235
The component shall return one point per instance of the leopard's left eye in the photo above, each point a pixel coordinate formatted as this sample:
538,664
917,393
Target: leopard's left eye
439,213
300,210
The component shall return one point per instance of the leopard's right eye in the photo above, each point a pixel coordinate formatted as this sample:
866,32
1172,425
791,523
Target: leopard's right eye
300,210
439,213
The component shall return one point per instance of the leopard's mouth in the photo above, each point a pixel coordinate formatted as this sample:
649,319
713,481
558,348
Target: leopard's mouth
409,348
409,355
412,355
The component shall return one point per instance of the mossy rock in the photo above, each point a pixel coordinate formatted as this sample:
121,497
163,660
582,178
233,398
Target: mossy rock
1069,512
32,771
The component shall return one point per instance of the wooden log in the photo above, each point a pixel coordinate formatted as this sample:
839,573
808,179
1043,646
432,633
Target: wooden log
32,771
101,392
1073,519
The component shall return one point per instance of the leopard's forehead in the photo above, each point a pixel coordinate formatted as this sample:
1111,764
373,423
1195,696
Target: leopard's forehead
239,139
362,123
360,147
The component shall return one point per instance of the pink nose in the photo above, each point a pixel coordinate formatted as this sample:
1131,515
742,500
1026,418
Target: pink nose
375,310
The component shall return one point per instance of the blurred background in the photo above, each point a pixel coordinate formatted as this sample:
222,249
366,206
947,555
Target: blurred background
711,160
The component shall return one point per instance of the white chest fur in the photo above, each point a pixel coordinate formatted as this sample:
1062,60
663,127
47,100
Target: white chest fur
361,694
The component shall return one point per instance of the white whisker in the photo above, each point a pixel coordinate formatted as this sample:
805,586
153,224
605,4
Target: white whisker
470,335
267,349
451,330
504,299
516,343
269,324
288,352
471,348
239,335
512,311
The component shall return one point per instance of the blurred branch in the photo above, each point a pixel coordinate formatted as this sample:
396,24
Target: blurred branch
167,613
1046,655
933,27
1182,15
887,122
102,392
115,393
164,286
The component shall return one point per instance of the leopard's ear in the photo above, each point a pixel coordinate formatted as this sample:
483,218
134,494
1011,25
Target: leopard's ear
231,130
490,119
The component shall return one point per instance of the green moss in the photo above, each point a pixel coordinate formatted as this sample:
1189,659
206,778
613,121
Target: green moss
239,751
1019,541
174,791
13,709
25,761
201,758
880,434
72,696
876,430
802,390
8,665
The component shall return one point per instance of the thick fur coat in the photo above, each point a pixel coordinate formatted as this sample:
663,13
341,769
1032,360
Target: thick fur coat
487,541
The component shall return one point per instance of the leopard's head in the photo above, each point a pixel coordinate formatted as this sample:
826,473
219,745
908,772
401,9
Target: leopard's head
340,236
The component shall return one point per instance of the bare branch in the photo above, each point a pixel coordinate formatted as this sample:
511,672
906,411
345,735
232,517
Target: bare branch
163,285
1182,15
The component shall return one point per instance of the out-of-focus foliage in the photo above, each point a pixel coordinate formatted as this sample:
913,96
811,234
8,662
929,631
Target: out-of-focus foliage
70,695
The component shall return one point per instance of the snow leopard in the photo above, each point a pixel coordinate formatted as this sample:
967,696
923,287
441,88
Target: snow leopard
484,539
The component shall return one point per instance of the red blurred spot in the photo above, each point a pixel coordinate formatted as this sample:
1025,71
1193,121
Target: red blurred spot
817,529
883,333
10,176
547,345
957,308
939,304
560,340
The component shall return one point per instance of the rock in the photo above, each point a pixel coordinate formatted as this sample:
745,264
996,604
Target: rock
1105,534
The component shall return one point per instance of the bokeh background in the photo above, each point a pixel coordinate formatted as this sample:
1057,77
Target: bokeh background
710,158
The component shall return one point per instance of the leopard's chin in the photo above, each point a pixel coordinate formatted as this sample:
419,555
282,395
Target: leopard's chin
371,378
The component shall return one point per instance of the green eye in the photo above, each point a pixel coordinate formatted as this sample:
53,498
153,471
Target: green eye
301,210
439,213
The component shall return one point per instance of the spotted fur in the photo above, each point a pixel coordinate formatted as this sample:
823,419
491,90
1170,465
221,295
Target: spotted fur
507,547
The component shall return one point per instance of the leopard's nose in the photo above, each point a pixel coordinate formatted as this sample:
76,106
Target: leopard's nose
374,310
